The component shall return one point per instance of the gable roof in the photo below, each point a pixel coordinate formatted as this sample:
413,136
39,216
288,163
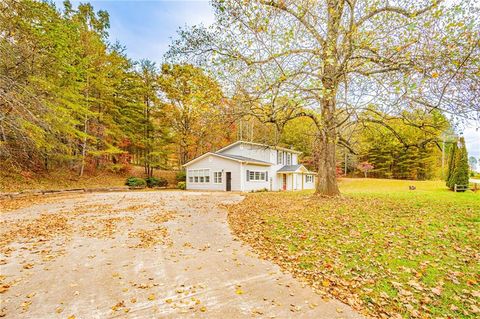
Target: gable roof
236,158
244,159
258,144
294,168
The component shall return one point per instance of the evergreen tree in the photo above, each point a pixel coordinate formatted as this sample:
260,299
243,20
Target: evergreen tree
451,164
460,172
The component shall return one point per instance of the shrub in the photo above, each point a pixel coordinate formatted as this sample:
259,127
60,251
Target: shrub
136,182
156,182
182,185
181,176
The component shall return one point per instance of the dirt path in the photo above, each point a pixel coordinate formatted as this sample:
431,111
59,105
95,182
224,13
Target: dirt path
142,255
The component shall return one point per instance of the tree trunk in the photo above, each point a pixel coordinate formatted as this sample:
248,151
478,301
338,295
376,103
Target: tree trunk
327,179
84,147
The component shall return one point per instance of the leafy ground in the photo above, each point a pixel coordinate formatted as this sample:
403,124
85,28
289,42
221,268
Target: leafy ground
12,181
381,248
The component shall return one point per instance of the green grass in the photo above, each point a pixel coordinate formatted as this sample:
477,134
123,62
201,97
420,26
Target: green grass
380,247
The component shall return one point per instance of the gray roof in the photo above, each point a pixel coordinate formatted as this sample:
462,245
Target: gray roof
243,158
289,168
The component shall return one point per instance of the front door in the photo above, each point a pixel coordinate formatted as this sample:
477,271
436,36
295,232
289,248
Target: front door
284,182
228,177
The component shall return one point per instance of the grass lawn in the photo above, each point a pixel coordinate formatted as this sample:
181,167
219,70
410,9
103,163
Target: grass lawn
385,250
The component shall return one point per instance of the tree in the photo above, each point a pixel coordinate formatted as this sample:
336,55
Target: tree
326,60
196,109
365,167
460,174
155,133
400,150
452,165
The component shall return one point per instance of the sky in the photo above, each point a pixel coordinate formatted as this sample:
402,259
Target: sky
146,28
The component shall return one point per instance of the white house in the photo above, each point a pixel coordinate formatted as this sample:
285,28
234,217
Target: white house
245,166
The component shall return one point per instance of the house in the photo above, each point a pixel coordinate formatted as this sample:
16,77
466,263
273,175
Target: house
245,166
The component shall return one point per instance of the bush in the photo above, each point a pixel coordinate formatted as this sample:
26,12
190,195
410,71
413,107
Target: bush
182,185
136,182
181,176
156,182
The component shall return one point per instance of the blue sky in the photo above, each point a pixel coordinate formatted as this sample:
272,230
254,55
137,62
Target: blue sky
146,28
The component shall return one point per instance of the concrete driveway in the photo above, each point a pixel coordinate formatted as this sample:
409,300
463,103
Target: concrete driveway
165,254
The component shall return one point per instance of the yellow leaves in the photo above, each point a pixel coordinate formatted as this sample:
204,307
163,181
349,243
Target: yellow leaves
118,305
4,288
203,309
26,305
435,75
151,297
71,317
326,283
59,310
169,300
239,291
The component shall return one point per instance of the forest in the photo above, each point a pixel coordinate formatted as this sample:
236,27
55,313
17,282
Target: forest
72,100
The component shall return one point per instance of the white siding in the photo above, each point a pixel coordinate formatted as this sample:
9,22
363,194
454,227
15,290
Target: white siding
256,185
309,185
216,164
251,151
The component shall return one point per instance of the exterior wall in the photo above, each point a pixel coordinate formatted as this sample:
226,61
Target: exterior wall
310,185
239,170
256,185
216,164
251,151
294,182
260,153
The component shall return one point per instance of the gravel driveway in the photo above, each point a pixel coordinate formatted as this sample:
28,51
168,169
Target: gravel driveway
163,254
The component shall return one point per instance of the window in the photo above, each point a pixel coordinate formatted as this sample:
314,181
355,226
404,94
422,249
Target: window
279,157
199,175
257,176
309,178
289,159
217,177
